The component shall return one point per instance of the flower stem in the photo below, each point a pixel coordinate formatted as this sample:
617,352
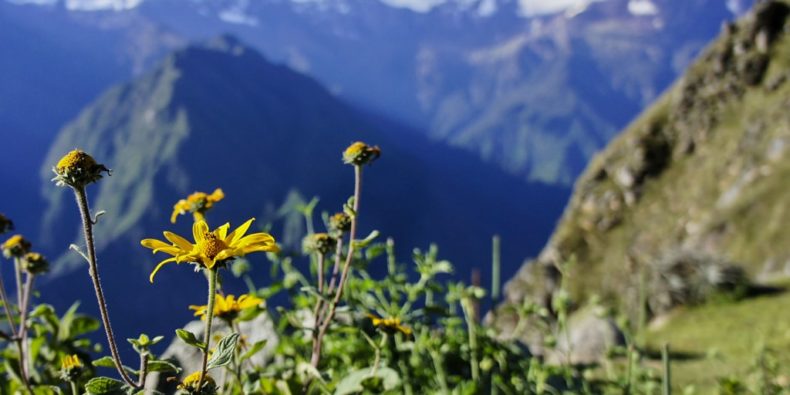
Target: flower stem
316,357
212,291
74,390
93,271
24,364
7,308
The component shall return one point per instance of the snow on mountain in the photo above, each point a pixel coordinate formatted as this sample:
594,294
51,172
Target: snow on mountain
234,13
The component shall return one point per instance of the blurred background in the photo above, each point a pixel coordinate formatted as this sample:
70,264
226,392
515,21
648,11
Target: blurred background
487,112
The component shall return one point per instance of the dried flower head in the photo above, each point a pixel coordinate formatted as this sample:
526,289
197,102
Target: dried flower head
34,263
15,247
339,224
359,154
211,247
321,243
190,384
228,307
78,169
70,367
197,203
5,224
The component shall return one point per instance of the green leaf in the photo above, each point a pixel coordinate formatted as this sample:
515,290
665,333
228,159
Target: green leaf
224,351
104,386
82,325
107,362
359,244
162,366
353,383
190,338
104,362
256,348
64,331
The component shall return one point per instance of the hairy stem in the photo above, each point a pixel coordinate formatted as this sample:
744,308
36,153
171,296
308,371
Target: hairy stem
7,308
143,370
24,364
316,357
212,293
93,271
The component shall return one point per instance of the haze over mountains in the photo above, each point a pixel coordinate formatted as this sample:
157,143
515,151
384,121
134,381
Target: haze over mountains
531,92
509,80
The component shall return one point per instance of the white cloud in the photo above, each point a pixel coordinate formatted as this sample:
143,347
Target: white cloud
542,7
416,5
642,7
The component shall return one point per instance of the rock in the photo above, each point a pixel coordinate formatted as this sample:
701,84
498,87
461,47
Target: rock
589,339
189,358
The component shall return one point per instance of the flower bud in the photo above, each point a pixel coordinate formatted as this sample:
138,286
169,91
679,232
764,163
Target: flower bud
78,169
321,243
15,247
34,263
339,224
359,154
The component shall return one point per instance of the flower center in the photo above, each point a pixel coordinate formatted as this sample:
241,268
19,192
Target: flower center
75,159
211,246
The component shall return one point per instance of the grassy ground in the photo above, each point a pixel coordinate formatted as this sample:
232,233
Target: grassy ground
718,339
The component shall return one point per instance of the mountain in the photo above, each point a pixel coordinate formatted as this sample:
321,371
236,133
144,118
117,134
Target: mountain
701,176
220,115
534,86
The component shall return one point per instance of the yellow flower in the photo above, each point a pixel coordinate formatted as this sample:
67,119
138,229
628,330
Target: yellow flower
70,362
391,324
198,202
228,307
190,384
210,247
70,367
16,246
78,169
359,154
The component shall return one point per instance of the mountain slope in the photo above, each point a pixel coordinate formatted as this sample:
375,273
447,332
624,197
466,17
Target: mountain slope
220,115
703,171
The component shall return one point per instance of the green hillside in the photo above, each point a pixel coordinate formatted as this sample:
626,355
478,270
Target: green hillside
702,172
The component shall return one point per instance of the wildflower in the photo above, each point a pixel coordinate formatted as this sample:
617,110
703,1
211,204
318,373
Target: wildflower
77,169
321,243
197,203
339,223
5,224
190,384
228,307
16,247
359,154
211,247
389,325
70,367
34,263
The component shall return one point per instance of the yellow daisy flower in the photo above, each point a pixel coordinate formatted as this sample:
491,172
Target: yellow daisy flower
210,247
359,154
196,203
190,384
69,362
228,307
391,324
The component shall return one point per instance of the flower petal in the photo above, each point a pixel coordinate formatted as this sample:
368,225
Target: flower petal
159,266
255,238
179,241
199,230
222,231
238,232
157,245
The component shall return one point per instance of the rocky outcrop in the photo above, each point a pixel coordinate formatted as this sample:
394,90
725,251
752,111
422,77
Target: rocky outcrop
696,183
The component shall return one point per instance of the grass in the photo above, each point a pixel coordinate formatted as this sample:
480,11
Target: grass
724,339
